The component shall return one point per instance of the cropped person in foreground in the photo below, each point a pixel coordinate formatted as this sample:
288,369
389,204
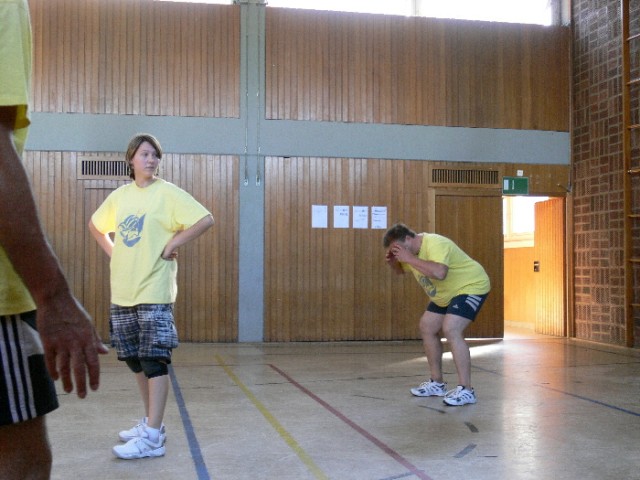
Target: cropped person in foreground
45,334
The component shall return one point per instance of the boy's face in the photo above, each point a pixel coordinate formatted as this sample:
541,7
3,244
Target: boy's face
145,161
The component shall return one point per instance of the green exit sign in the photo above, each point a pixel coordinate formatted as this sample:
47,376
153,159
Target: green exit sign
515,185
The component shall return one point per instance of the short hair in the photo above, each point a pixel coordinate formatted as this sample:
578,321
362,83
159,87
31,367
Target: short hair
399,231
134,145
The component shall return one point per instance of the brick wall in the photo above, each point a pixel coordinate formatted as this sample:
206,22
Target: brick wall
598,171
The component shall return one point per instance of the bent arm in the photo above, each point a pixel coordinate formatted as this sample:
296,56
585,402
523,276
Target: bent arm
428,268
103,239
185,236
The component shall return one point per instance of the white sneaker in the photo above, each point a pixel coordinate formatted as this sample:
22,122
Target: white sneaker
460,396
139,431
430,389
139,448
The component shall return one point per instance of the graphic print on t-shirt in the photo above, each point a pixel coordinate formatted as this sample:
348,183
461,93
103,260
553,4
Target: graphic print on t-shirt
131,229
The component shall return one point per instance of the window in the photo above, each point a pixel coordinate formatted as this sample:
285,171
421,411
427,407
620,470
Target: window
521,11
538,12
519,221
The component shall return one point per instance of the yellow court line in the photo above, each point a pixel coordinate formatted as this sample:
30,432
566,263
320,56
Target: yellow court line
306,459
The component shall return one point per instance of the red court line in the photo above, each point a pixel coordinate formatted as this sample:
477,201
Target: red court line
384,447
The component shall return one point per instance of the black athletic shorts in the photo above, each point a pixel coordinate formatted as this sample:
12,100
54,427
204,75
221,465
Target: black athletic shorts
26,388
466,306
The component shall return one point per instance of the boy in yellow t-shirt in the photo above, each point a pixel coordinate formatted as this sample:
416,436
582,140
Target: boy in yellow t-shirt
151,219
457,287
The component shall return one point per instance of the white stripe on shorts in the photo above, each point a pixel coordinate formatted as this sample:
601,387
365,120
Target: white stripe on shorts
18,378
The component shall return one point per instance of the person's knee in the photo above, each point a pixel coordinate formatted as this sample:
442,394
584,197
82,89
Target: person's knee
154,368
454,331
26,452
428,327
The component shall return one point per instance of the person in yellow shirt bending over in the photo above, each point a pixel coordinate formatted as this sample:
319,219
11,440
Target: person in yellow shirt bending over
151,219
457,287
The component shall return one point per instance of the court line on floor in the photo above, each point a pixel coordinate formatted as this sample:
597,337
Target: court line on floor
569,394
597,402
306,459
378,443
192,440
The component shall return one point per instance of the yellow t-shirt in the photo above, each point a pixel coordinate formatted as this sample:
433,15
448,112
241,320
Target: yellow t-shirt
144,220
15,82
464,277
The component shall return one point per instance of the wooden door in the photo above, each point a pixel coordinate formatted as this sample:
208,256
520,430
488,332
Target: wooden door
474,222
550,283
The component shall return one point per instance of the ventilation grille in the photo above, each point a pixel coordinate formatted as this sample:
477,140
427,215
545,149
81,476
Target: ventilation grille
462,177
102,169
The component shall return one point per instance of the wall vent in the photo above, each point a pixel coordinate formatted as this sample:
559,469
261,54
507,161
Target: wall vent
102,169
465,177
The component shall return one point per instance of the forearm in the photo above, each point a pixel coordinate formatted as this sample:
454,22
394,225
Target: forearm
428,268
188,235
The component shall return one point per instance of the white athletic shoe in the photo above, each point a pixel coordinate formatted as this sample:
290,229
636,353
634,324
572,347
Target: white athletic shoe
460,396
430,389
139,431
139,448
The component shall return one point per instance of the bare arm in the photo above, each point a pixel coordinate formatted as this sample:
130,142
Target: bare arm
428,268
191,233
71,344
103,239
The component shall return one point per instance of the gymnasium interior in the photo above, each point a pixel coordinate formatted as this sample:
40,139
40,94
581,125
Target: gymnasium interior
307,132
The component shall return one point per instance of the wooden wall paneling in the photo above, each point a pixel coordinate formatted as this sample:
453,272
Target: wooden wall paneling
143,57
343,288
96,294
206,308
508,82
275,250
362,259
415,65
91,86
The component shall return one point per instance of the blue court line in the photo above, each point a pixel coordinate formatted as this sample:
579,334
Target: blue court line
597,402
194,446
579,397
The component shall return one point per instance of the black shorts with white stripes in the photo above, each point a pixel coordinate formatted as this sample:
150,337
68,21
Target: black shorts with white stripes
26,389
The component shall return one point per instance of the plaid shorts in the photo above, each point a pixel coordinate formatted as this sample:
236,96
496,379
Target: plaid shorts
143,331
26,389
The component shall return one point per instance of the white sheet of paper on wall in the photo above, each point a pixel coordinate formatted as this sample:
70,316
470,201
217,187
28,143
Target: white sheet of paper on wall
379,217
341,216
319,216
360,217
